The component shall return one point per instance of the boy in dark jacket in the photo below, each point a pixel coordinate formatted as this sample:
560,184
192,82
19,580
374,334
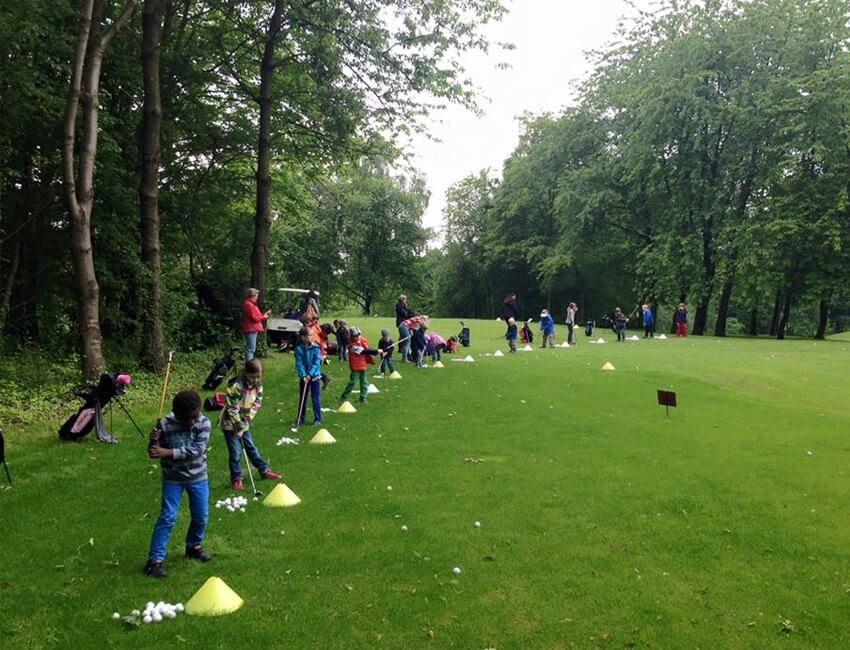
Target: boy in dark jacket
359,356
418,344
342,339
620,321
386,345
180,442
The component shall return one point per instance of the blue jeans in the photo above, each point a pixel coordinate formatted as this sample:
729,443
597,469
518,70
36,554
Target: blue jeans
250,345
199,507
315,392
386,363
404,333
235,449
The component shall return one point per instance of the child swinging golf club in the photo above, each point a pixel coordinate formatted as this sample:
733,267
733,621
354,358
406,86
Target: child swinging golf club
244,399
180,442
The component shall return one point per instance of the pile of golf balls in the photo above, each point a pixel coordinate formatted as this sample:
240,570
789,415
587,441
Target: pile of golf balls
154,613
288,441
232,504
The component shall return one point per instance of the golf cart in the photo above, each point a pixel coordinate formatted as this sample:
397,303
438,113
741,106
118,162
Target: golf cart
282,332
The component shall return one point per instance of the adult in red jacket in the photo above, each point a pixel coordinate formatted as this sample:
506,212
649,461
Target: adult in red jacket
253,322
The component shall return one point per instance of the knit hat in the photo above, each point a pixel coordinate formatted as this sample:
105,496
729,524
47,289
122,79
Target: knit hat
385,333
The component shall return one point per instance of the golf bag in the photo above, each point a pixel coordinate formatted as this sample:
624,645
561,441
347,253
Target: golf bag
525,334
3,458
215,403
463,337
90,415
221,369
588,328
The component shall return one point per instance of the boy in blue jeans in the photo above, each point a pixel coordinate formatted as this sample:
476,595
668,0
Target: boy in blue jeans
180,442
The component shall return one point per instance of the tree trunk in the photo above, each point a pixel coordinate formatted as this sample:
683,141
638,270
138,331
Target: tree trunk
786,312
6,299
823,319
723,307
79,184
777,307
701,318
754,321
262,217
152,354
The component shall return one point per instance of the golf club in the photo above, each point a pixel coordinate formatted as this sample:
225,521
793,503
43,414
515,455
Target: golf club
298,416
257,492
164,388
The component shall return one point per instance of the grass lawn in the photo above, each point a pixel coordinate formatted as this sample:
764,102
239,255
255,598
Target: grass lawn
604,522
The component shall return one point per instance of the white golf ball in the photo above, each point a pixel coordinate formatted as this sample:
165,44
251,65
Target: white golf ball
389,488
256,498
218,504
241,509
456,570
135,612
170,613
477,524
150,605
156,617
179,607
147,619
116,616
230,508
404,529
159,605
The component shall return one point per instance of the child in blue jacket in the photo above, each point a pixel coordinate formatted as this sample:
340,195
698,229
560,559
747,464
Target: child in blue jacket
547,328
648,322
308,365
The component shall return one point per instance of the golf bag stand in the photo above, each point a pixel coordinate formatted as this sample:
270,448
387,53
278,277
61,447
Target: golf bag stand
90,415
464,335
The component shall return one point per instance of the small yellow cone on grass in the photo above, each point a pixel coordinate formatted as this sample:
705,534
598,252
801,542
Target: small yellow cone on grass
213,599
608,366
438,364
395,375
346,407
281,497
322,437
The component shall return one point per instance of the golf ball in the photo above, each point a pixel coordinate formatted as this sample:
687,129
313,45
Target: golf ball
147,619
256,498
179,607
404,529
156,617
241,509
456,570
116,616
218,504
135,612
389,488
170,613
150,605
477,524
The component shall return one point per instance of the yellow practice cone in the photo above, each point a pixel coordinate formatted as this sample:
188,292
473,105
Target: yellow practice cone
346,407
608,366
438,364
281,497
322,437
213,599
395,375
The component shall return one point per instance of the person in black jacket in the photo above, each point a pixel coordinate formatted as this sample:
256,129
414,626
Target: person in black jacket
402,313
509,308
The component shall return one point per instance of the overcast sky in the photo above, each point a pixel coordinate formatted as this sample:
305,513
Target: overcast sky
551,37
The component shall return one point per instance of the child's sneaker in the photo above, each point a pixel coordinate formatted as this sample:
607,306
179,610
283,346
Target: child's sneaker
325,381
155,568
317,423
238,484
197,553
271,475
363,400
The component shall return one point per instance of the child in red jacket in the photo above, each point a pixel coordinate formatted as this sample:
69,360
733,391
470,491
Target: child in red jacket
359,356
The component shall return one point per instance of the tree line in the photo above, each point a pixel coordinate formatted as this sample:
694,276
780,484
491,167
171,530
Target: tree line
706,158
156,155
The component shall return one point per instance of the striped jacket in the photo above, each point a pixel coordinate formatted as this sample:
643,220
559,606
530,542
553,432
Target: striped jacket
189,447
243,403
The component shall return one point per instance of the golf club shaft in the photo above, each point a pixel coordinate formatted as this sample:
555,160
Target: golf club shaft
248,463
298,416
8,476
164,388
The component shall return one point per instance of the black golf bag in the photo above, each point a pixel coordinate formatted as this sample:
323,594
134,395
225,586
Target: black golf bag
3,458
463,337
525,334
588,328
90,414
221,369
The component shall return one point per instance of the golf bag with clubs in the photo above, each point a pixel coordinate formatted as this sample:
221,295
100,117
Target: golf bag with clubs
221,368
463,337
525,334
90,415
588,328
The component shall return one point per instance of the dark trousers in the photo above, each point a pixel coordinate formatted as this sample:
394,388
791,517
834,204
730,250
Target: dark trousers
314,388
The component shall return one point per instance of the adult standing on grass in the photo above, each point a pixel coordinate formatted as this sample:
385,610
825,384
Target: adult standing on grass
253,322
572,312
509,308
402,313
311,305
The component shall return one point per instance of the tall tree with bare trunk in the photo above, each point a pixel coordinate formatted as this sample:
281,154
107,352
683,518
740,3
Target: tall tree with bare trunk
78,168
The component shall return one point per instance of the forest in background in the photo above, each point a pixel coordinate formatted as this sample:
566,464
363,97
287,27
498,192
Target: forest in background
158,157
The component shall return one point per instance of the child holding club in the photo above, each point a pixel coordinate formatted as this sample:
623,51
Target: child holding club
308,365
244,400
180,442
386,346
418,344
511,334
436,344
547,329
359,356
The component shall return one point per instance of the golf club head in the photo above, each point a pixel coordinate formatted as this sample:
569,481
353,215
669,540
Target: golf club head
258,493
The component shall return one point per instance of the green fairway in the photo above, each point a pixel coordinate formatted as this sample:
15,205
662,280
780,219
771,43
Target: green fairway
604,521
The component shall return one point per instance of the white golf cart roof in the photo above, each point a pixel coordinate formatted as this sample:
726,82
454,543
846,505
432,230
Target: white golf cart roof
291,290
